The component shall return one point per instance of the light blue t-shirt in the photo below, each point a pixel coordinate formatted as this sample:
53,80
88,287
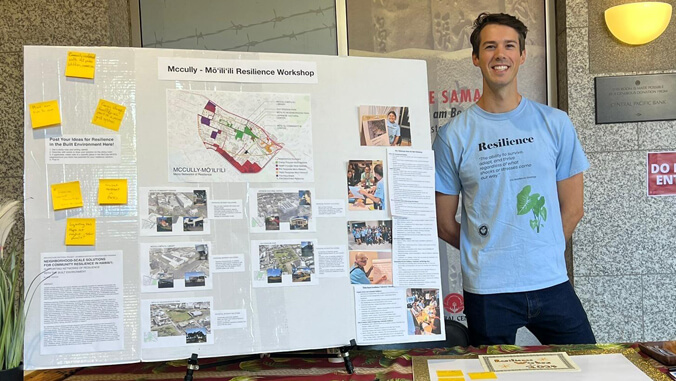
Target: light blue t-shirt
358,276
380,193
393,130
506,166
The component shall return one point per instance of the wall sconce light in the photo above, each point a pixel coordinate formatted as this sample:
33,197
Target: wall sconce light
638,23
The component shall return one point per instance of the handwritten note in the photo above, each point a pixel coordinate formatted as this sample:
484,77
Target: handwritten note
108,115
80,65
112,191
66,195
80,232
45,114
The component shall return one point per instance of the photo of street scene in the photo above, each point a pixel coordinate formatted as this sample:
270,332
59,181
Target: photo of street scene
274,276
284,205
369,235
301,274
287,257
168,211
188,262
179,318
423,316
195,335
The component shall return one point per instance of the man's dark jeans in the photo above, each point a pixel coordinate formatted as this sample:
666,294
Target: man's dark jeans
554,315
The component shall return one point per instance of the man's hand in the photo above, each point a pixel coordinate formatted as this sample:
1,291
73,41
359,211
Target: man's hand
447,227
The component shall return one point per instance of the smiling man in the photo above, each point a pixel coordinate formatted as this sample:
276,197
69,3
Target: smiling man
518,165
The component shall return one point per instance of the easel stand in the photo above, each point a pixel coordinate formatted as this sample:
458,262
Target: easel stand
193,364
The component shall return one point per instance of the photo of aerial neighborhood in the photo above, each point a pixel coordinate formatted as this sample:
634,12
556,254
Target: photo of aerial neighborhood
188,262
287,257
180,318
285,205
175,211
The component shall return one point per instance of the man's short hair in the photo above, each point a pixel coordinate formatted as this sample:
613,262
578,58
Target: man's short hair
378,169
501,19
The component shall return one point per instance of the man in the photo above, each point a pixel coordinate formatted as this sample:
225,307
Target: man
393,129
357,273
378,197
519,167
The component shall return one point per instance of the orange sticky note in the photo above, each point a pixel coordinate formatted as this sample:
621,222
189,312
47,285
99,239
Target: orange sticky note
482,375
66,195
80,65
449,373
45,114
108,115
80,232
112,191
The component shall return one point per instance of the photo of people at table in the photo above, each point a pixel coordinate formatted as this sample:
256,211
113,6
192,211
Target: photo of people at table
366,185
370,267
384,126
369,235
423,311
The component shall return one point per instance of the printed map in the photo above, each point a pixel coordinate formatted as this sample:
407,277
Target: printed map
226,136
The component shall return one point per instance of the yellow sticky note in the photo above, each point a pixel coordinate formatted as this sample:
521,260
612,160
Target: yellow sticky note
482,375
66,195
45,114
112,191
449,373
451,378
80,65
80,232
108,115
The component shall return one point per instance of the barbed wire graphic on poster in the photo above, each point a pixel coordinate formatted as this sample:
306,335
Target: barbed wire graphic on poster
239,137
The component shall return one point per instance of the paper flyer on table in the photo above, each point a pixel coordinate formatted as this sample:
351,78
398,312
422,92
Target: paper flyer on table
279,263
174,211
179,266
282,210
82,307
176,322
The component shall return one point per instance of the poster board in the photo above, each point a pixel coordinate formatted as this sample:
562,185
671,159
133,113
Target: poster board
234,235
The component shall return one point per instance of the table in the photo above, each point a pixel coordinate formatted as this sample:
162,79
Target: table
393,365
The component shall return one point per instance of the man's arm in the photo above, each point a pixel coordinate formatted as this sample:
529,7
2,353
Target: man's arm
571,197
396,140
447,227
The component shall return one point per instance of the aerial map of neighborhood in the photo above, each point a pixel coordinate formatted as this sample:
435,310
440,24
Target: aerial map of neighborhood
225,136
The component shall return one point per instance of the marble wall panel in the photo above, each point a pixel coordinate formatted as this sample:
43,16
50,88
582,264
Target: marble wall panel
659,313
614,307
11,114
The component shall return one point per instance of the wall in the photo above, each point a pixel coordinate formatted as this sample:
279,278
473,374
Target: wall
44,22
623,249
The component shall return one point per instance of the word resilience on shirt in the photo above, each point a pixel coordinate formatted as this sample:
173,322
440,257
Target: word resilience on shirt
504,142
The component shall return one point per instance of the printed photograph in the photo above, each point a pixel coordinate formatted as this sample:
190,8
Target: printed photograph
177,318
195,335
274,275
366,185
174,212
272,223
170,262
299,223
369,235
164,224
384,126
423,308
284,205
165,280
370,267
286,257
301,274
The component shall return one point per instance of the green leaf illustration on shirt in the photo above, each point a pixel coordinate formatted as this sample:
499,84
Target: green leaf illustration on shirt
526,202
